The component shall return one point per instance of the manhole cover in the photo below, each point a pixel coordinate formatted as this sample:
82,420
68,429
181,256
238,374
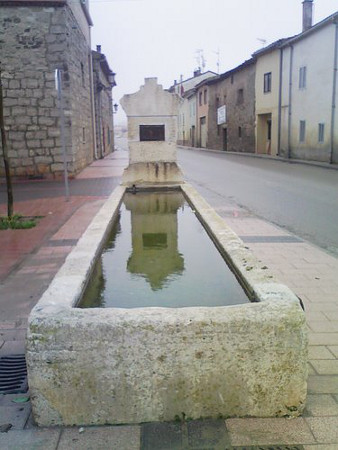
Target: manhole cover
268,447
13,374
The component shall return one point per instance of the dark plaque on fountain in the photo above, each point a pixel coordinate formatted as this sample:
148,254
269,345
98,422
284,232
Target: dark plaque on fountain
152,133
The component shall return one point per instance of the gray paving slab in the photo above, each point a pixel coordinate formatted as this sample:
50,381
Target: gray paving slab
101,438
323,384
325,429
269,432
44,439
205,434
16,415
13,348
162,436
321,405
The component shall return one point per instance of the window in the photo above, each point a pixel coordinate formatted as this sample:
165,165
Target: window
321,129
302,77
267,82
82,75
232,79
239,132
83,135
205,96
302,131
200,98
240,96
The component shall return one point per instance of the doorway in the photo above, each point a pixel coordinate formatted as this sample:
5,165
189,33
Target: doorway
264,134
193,136
203,132
225,139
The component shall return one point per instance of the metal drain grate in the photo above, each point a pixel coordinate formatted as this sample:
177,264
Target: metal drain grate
268,447
271,239
13,374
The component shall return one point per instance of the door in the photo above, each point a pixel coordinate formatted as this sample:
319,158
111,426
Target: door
193,136
203,132
225,139
268,141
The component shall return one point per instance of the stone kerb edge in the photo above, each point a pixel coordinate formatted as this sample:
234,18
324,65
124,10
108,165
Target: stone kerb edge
69,282
256,277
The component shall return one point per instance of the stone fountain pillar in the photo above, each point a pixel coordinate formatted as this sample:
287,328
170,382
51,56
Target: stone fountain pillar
152,127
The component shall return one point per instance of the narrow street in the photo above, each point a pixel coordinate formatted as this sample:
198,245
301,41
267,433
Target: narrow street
300,198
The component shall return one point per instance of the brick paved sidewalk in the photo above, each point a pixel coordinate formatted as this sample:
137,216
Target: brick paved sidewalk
310,272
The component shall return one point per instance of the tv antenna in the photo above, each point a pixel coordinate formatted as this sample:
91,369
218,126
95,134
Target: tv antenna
262,41
218,60
201,61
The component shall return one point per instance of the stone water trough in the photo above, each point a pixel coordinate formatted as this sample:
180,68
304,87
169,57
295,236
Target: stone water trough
116,366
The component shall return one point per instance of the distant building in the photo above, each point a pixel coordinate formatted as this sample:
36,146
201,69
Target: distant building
36,38
202,114
187,119
104,81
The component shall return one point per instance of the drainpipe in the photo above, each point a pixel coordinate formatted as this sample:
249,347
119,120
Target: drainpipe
290,101
280,101
334,91
99,107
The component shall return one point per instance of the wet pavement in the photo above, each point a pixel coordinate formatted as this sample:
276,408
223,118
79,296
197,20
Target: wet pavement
29,259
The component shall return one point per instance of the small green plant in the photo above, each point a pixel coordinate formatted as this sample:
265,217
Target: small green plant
17,222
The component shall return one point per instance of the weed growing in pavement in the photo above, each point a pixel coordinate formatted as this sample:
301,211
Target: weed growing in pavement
18,222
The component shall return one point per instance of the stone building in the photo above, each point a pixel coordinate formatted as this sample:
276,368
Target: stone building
104,81
231,109
36,38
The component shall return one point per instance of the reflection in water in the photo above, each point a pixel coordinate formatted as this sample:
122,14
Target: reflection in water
94,293
155,254
160,255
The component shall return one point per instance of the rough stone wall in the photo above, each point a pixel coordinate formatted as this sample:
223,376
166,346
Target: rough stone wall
34,41
240,111
78,56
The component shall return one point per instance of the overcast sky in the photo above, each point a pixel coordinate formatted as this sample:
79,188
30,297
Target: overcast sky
159,38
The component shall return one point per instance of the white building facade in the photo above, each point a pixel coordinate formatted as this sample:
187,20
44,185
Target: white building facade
307,108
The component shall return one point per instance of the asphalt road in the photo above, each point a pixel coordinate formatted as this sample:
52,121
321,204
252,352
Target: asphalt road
299,198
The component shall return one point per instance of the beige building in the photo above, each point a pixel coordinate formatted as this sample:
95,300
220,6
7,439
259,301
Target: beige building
267,90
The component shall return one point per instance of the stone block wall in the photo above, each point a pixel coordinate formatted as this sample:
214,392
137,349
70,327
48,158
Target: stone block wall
34,41
237,91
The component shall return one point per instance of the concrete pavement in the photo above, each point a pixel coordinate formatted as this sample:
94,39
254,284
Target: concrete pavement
30,258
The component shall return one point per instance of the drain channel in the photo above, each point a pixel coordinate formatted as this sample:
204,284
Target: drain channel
13,374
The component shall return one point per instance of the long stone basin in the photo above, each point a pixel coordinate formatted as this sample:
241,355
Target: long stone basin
117,366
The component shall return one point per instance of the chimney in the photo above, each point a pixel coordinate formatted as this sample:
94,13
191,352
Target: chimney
197,72
307,14
98,48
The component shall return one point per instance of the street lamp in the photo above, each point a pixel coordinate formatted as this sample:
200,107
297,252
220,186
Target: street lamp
116,106
111,79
